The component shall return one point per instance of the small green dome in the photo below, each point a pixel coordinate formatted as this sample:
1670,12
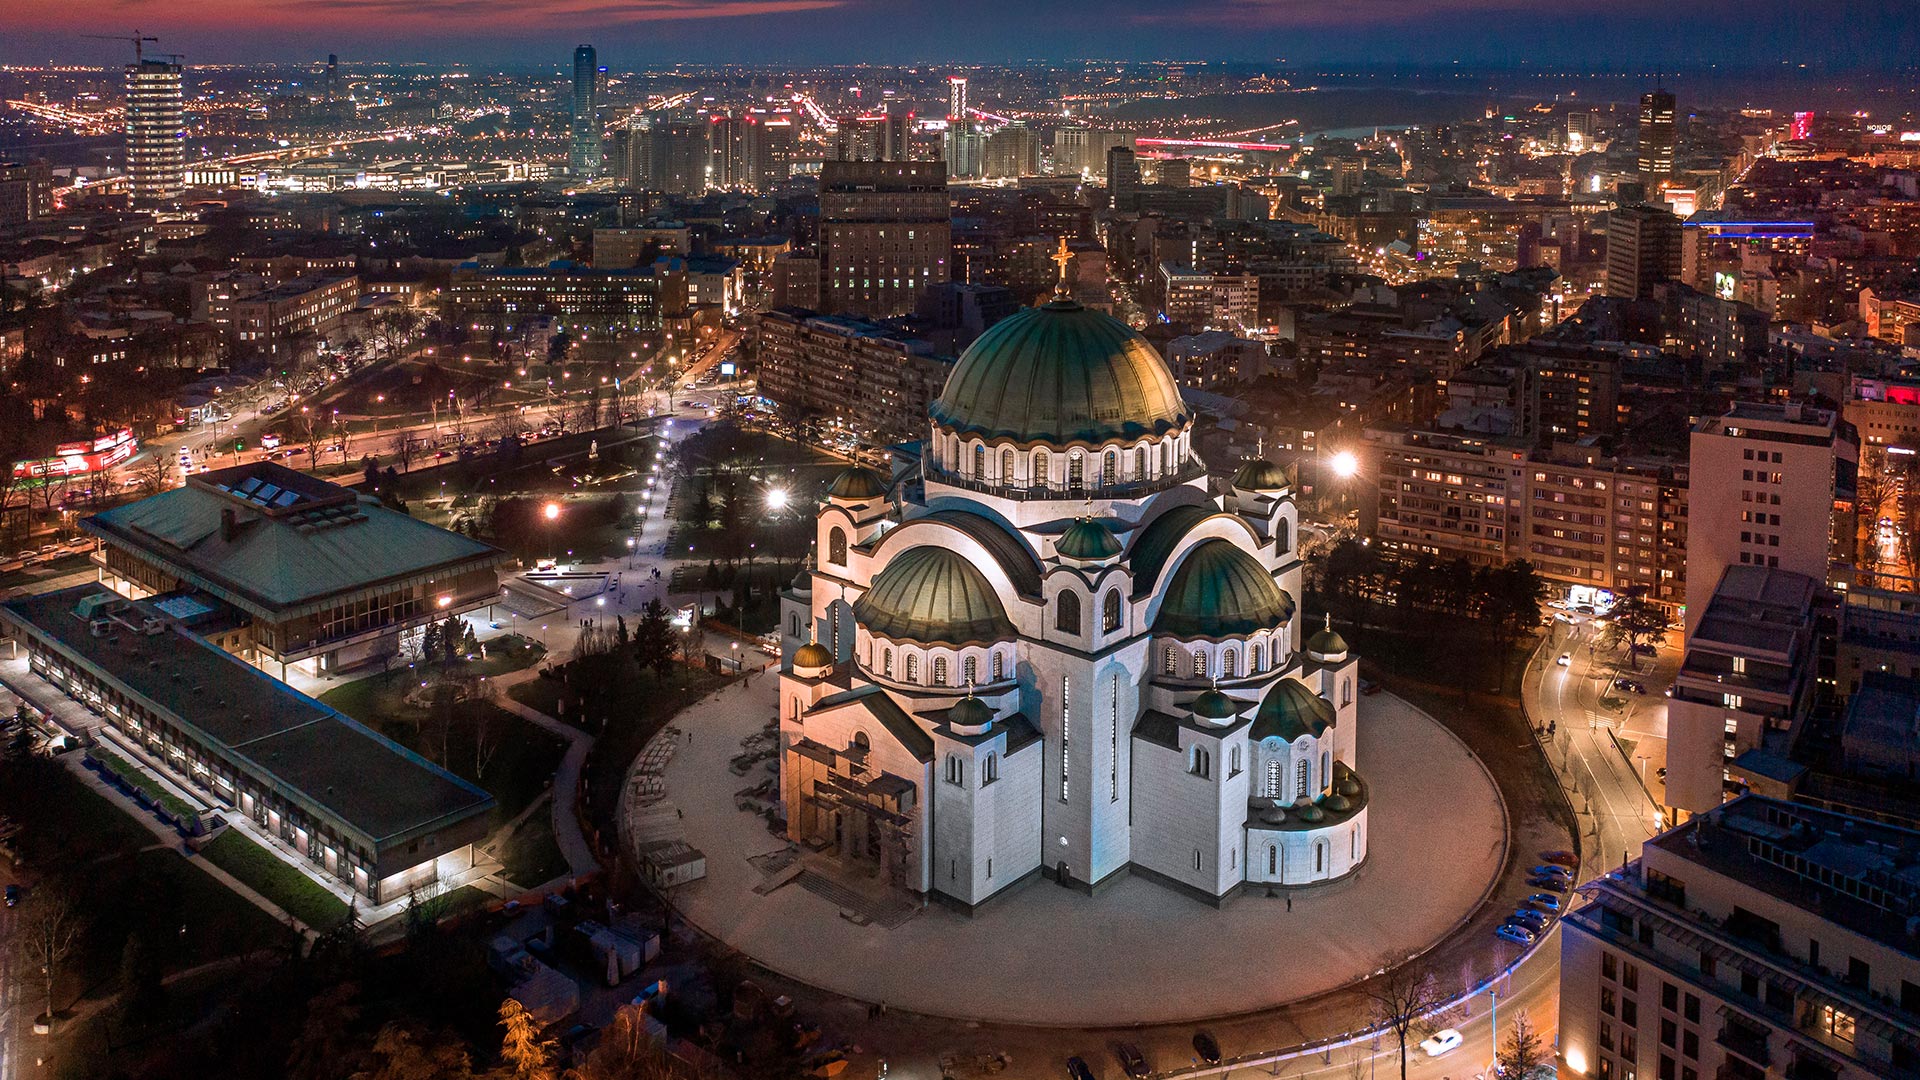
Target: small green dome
1060,373
1335,803
1325,645
1290,711
970,712
1259,474
812,655
858,482
1087,540
1309,812
933,595
1213,705
1221,591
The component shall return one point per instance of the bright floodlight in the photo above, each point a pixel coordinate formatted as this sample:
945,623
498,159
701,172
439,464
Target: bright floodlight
1345,465
553,511
777,499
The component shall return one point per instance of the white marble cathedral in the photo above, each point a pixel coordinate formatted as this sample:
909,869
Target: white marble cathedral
1047,649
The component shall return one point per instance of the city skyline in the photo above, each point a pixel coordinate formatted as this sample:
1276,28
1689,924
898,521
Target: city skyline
1638,35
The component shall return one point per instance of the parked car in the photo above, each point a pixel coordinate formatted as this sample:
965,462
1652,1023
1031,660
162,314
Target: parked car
1532,920
1546,902
1630,686
1077,1070
1132,1060
1368,686
1557,884
1566,659
1205,1046
1444,1041
1642,650
1564,858
1519,935
13,895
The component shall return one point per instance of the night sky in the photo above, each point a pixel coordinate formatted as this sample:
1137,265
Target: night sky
1621,35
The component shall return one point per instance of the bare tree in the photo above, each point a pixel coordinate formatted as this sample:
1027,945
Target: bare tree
403,449
48,935
154,473
1401,998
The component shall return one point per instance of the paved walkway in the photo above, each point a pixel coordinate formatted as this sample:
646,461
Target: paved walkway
566,778
1139,953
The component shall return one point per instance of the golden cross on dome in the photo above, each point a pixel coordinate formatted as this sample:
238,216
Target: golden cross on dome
1062,257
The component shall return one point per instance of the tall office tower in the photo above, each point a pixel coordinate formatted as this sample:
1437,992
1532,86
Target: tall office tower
26,191
333,77
773,160
1581,124
1769,504
156,132
1123,178
584,155
1643,250
1656,138
956,98
1012,151
885,234
872,137
678,155
727,151
965,150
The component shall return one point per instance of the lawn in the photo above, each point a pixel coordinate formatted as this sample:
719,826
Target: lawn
271,877
532,857
154,789
475,740
63,822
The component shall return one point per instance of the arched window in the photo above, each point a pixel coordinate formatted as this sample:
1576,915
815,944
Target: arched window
1326,768
955,771
1006,466
1319,856
1229,664
837,546
913,667
1042,474
1273,860
1076,469
1196,858
1170,661
1199,664
1300,779
1346,691
1276,776
970,670
861,742
1259,659
939,671
1233,761
990,769
1066,613
886,662
1110,469
1283,536
1110,611
979,462
1140,463
999,666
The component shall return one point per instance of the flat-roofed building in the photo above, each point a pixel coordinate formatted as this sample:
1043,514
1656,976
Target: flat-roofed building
1748,670
602,300
303,306
1763,939
362,810
872,382
315,570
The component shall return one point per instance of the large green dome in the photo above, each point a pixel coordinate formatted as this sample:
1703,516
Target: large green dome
1060,373
1221,591
933,595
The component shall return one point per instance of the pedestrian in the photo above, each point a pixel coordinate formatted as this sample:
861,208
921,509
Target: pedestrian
1289,901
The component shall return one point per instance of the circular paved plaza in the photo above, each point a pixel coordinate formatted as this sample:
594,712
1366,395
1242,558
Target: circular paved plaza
1139,953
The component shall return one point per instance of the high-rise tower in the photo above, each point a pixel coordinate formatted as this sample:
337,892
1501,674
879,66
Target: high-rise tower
956,98
156,131
583,156
1656,138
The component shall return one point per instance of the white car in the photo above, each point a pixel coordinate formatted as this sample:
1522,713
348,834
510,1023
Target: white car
1566,659
1443,1041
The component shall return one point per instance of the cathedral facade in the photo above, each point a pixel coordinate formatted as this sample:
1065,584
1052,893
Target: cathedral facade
1047,647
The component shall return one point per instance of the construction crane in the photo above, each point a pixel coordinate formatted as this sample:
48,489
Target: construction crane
139,42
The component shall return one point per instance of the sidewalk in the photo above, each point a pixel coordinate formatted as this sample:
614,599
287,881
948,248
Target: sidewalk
566,778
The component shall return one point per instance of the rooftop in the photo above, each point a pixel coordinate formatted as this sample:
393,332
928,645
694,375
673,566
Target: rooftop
1756,609
275,541
362,780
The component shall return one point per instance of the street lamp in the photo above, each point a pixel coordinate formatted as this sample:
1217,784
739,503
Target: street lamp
1344,464
552,512
777,499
